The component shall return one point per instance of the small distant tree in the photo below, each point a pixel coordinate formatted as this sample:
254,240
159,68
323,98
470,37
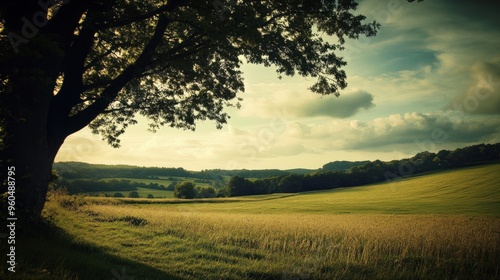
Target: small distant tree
150,196
171,186
133,195
218,184
222,192
205,192
185,190
239,186
118,194
291,183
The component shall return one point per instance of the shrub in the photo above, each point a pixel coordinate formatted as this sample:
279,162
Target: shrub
185,190
205,192
223,192
133,195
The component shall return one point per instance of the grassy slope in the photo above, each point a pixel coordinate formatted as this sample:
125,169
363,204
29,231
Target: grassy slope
304,236
473,191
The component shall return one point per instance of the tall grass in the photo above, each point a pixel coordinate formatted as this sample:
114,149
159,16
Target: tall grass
196,245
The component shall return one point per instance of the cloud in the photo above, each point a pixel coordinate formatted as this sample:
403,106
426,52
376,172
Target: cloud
308,105
343,107
483,95
429,56
407,132
288,142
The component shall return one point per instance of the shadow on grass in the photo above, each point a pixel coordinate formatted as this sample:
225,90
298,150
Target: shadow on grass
49,253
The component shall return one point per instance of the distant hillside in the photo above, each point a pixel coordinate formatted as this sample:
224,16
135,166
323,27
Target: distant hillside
335,174
368,173
342,165
467,190
301,170
81,170
245,173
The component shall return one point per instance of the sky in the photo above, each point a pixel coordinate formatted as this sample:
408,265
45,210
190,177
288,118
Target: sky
430,80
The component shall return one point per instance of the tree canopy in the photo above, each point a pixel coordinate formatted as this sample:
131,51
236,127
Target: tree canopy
185,189
174,62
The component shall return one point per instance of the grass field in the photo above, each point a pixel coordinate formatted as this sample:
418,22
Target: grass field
143,192
439,226
162,180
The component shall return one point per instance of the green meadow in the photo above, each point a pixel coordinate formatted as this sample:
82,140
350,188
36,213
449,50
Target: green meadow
443,225
471,191
143,192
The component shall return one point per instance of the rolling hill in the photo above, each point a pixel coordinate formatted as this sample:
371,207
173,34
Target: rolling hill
442,225
471,190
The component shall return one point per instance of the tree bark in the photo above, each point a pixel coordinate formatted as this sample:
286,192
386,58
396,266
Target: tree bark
31,134
27,147
33,172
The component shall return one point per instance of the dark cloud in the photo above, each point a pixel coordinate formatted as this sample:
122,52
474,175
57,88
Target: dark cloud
483,96
308,105
345,106
421,130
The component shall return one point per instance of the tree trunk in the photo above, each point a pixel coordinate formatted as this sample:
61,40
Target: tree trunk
26,144
30,154
31,130
33,172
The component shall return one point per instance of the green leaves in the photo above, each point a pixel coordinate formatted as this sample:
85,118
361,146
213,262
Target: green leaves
194,73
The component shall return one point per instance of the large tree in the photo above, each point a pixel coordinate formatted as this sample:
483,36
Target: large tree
70,64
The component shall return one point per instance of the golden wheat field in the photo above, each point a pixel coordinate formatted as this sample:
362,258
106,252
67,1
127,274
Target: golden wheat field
297,246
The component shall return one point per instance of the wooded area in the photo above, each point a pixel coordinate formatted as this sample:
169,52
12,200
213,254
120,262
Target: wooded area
83,177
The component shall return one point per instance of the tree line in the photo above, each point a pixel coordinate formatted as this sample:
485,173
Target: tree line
369,173
81,170
82,186
189,190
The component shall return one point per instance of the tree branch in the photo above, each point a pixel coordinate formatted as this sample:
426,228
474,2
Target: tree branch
119,23
66,20
84,117
69,94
